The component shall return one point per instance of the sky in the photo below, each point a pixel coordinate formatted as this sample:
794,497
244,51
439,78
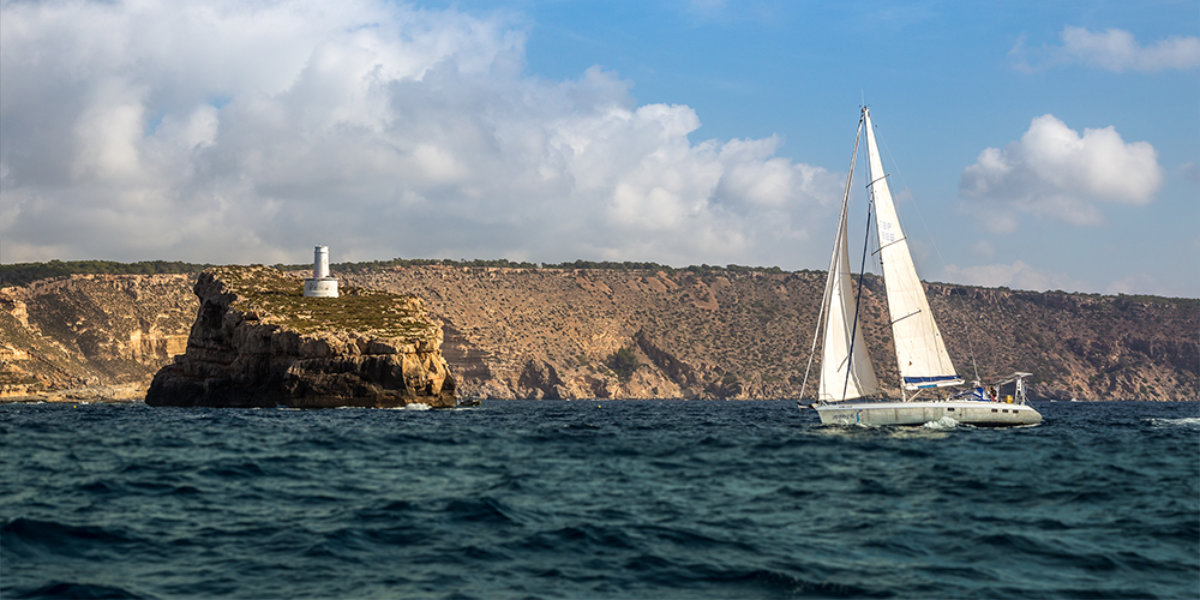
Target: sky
1034,145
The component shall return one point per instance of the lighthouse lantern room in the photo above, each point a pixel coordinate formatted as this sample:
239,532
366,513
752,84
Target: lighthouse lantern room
321,285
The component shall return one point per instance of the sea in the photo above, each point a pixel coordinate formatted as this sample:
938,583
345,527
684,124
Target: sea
595,499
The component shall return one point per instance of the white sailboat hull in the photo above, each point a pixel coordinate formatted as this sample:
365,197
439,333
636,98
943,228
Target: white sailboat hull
967,412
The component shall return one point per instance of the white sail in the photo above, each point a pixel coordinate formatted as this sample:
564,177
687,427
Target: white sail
920,351
846,369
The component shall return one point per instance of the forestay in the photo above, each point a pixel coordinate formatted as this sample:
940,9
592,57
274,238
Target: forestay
846,369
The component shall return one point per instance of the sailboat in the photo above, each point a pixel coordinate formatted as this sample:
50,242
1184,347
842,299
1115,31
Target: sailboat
849,392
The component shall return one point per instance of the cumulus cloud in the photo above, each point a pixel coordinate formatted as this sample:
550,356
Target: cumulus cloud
1017,275
1114,50
236,131
1054,172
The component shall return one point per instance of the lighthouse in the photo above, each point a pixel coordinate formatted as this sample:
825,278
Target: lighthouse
321,285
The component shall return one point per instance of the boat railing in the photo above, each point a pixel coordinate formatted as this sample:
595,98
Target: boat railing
990,392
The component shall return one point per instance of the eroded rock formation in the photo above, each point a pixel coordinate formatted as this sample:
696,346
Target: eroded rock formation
91,337
257,341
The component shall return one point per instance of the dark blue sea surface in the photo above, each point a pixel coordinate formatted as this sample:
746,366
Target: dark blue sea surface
555,499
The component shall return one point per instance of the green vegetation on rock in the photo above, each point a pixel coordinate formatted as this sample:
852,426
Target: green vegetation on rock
276,298
503,263
22,273
623,362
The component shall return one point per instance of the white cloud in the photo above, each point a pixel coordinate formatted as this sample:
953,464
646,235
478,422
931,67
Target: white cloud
247,132
1053,172
1017,275
1114,50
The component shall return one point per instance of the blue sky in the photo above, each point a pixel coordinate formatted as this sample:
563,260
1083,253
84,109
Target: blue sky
1034,145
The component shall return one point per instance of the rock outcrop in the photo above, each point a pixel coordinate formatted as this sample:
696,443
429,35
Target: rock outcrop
91,337
258,342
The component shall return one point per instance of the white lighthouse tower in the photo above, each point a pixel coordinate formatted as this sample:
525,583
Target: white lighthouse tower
321,285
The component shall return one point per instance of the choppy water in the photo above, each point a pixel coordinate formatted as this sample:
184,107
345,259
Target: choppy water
658,500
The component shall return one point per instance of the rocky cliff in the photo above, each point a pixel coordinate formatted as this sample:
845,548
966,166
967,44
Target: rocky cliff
257,341
631,333
739,333
91,336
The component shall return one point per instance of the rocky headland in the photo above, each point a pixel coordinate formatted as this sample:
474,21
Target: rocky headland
258,342
623,332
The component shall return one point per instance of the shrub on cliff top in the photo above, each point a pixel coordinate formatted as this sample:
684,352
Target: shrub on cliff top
23,273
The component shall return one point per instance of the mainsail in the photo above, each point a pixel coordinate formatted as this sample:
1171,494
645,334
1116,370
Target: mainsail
920,351
846,369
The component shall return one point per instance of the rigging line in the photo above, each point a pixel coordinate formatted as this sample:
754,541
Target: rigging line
971,351
970,325
822,315
813,350
920,215
858,300
912,200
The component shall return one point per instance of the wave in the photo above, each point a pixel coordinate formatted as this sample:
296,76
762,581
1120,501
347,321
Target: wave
1180,422
483,510
67,589
580,539
412,406
721,580
243,470
34,530
942,424
34,536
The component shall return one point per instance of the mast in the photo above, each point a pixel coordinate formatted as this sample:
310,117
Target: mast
846,369
920,352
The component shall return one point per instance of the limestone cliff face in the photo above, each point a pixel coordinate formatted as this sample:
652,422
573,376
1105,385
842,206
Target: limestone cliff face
257,341
551,333
88,336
